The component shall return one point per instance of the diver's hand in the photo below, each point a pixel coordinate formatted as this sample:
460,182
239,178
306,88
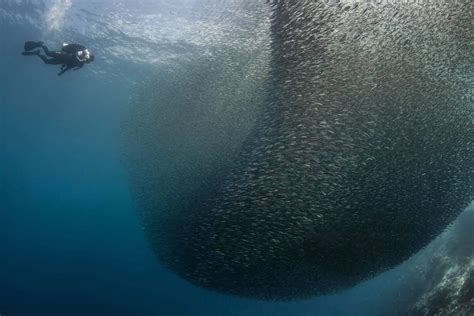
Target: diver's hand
63,70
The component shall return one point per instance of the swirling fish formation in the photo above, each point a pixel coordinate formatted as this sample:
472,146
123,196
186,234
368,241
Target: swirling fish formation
335,157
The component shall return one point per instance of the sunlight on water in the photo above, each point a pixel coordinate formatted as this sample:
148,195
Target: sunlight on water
54,17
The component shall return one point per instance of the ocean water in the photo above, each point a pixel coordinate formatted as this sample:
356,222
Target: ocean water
71,239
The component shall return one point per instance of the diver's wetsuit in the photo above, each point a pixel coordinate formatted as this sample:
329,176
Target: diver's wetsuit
67,57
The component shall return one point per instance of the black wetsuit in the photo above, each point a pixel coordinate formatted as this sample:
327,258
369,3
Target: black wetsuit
66,57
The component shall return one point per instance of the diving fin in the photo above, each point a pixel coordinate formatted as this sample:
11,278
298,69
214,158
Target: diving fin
32,45
35,52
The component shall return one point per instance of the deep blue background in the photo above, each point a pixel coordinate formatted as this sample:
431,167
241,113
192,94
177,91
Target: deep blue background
70,238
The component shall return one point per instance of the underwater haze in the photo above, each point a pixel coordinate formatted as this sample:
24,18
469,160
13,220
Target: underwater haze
224,157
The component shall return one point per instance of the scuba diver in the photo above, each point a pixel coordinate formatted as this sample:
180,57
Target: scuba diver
71,56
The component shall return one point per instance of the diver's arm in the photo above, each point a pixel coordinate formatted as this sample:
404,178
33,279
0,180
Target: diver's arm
63,70
78,63
78,67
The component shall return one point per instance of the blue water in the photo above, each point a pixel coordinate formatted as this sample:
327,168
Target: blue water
71,242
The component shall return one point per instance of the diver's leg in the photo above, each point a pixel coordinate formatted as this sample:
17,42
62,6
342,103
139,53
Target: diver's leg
46,50
49,61
46,60
50,53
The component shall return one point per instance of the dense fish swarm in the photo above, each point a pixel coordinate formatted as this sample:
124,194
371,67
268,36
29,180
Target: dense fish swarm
362,152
